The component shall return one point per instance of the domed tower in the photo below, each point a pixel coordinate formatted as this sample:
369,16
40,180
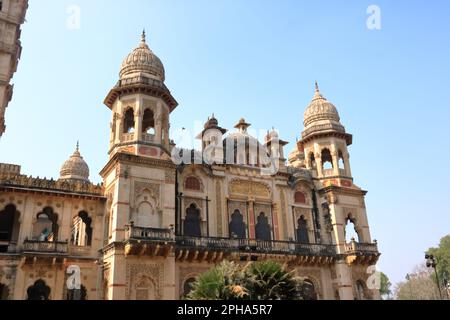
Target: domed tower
75,168
140,104
140,178
324,141
341,203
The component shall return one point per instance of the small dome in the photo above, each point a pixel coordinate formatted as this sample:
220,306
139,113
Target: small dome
320,109
296,158
142,60
75,168
212,122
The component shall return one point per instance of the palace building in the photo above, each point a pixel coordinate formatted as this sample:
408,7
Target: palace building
155,224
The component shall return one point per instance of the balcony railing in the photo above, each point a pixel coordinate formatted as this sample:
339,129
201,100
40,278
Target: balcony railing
127,137
149,234
146,137
255,246
354,247
45,246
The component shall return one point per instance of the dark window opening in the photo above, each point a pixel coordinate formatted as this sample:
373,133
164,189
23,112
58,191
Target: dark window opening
237,225
187,287
192,222
4,292
302,230
262,228
38,291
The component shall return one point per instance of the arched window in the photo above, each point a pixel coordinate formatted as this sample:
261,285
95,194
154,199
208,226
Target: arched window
128,122
360,290
237,225
147,216
81,230
148,122
299,197
192,183
38,291
145,289
191,225
308,290
262,228
46,226
350,229
327,160
77,294
4,292
9,225
187,286
302,230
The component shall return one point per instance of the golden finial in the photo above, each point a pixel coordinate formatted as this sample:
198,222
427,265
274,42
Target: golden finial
317,87
78,146
143,36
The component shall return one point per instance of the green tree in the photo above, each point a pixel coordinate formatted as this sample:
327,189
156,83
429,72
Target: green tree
385,286
442,254
267,280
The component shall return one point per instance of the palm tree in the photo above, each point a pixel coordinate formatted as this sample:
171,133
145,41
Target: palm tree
266,280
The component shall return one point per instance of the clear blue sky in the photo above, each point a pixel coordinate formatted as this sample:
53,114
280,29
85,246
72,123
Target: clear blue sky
258,59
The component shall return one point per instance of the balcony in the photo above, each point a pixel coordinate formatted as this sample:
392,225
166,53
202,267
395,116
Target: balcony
364,253
148,241
214,249
45,247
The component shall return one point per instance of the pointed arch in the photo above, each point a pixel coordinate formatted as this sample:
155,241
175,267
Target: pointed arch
81,230
148,122
46,226
128,120
38,291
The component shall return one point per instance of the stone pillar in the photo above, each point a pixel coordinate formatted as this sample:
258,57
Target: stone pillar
251,219
158,122
119,126
318,159
347,164
344,280
335,158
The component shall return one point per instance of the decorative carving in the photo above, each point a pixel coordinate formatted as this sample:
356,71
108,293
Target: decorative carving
237,205
50,184
170,176
153,189
153,271
249,188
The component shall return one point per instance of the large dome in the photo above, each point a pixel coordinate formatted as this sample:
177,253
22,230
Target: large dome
320,110
75,168
142,60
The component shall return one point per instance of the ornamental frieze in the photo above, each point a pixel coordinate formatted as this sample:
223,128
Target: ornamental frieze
249,188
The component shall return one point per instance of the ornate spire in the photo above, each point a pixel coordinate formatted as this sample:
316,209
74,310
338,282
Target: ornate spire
78,146
317,87
143,36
